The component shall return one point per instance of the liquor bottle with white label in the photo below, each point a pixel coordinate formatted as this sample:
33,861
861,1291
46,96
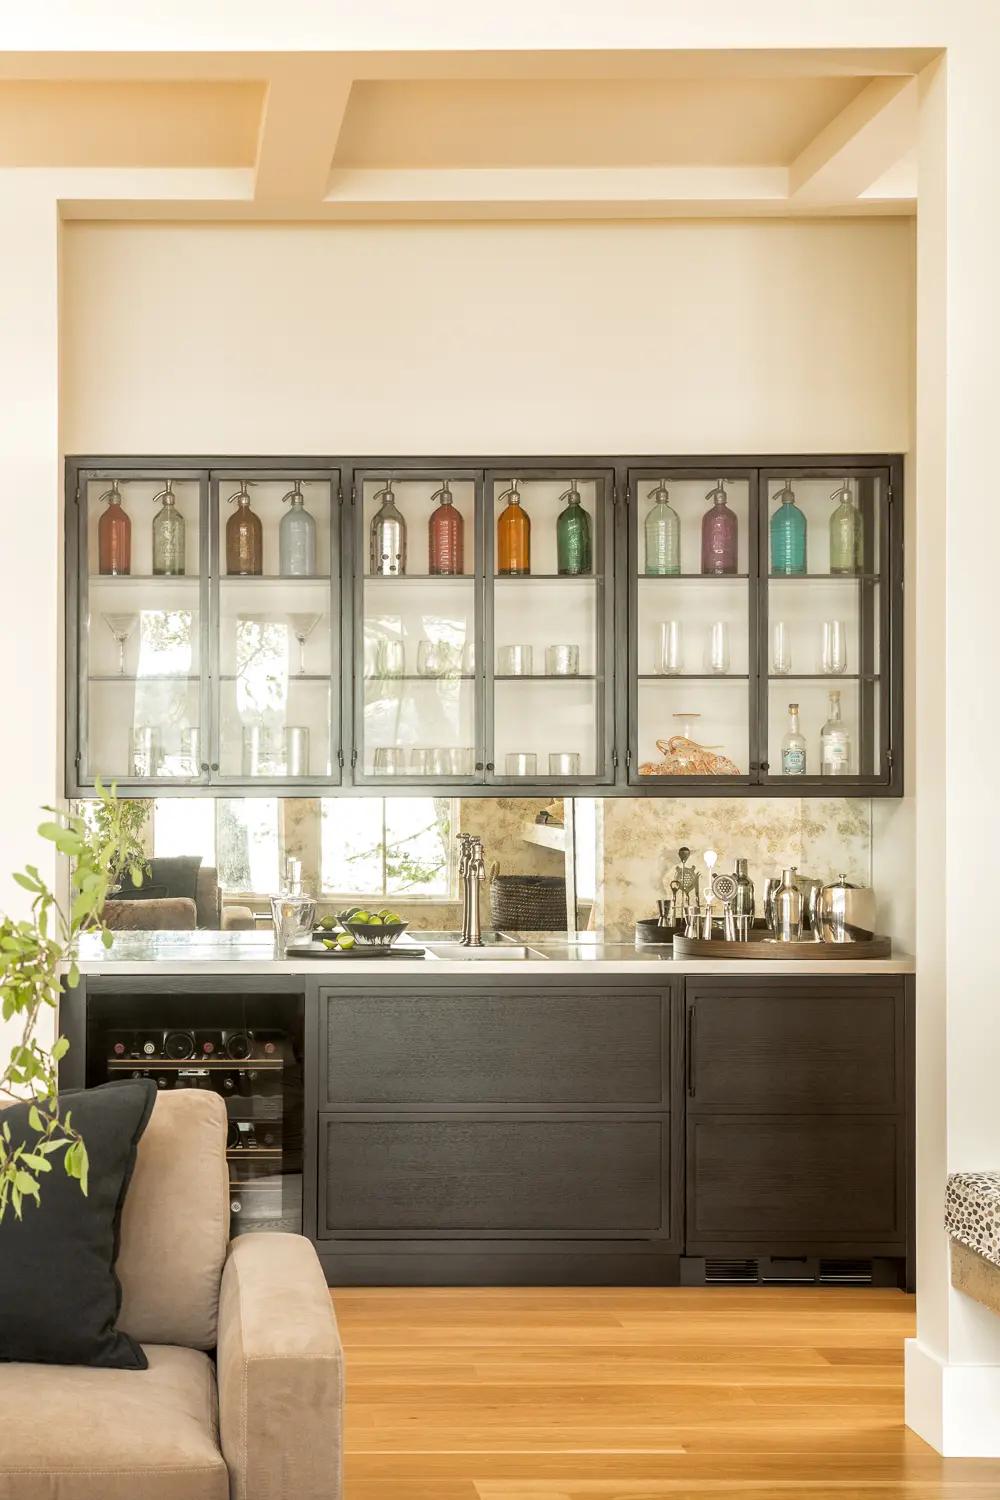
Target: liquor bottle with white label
835,742
793,746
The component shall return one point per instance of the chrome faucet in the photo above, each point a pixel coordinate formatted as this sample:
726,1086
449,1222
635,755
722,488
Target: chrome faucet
472,873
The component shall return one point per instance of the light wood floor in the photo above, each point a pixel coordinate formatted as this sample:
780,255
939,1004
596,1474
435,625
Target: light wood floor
620,1394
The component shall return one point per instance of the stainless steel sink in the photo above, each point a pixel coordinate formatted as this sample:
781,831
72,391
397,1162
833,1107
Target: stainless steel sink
505,952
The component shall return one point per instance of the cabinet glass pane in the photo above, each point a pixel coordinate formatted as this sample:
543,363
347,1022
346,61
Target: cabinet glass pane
142,625
548,620
693,650
277,648
418,628
823,625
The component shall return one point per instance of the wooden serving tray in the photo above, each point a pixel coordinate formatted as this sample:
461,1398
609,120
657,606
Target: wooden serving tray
770,948
316,949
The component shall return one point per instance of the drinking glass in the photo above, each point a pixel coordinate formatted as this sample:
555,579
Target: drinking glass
460,761
449,659
564,763
514,661
671,658
420,762
121,627
562,661
718,648
521,763
781,649
833,655
438,762
469,660
427,659
390,761
391,658
302,628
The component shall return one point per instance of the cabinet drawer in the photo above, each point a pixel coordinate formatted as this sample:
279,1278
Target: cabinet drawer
451,1174
500,1046
802,1179
766,1049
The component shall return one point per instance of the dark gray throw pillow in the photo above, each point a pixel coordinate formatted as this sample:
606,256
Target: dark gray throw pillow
59,1294
174,876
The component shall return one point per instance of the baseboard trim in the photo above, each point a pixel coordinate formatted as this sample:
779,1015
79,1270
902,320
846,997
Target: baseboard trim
954,1408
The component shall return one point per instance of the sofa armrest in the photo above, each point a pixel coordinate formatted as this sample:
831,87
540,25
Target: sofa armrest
281,1372
238,919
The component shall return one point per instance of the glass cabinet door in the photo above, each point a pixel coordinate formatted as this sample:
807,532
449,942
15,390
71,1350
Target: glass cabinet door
549,564
143,710
276,587
693,551
823,541
418,617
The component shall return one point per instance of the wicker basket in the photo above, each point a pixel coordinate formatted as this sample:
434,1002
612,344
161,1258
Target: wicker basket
529,903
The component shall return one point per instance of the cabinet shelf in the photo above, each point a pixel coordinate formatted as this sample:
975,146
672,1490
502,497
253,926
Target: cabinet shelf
563,578
547,677
148,681
824,577
693,677
271,580
158,580
691,577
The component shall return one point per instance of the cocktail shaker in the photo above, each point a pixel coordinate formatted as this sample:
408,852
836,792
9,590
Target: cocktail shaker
788,909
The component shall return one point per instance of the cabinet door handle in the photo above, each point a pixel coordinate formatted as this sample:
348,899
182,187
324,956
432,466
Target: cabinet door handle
690,1052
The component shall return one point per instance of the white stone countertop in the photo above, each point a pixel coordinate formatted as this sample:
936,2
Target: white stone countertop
197,953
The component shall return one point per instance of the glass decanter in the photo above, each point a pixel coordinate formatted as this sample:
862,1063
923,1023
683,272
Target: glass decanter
114,535
513,535
846,548
574,544
296,537
292,911
719,534
244,537
445,535
168,535
387,537
788,536
663,535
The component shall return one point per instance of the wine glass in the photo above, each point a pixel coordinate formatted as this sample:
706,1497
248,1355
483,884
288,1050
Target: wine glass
121,627
302,628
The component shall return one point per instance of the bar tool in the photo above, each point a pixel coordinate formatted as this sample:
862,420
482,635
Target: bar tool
686,878
710,860
724,889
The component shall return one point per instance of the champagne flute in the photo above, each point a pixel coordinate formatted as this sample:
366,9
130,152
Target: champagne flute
302,628
121,627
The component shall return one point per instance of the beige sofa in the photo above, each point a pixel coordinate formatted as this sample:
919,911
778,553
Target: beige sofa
179,913
244,1392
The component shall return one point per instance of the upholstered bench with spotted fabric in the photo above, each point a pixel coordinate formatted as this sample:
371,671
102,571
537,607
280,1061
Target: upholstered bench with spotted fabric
972,1219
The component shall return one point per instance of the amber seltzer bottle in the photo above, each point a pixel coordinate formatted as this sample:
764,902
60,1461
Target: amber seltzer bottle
513,535
445,535
114,535
244,537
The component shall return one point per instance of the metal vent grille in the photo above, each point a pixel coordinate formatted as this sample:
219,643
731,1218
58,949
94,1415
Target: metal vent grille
719,1272
847,1272
786,1270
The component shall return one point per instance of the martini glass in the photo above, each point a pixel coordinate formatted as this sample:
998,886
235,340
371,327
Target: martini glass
121,627
302,628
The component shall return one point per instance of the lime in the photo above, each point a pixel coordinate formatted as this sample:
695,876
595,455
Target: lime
391,917
328,942
360,916
344,941
328,923
374,921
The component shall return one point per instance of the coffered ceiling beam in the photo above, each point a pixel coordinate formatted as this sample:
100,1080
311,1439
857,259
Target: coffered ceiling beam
554,185
859,145
300,122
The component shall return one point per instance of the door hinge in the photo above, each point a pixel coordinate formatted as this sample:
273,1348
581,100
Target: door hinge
354,494
340,493
354,759
614,759
77,497
628,758
340,759
888,494
78,759
889,759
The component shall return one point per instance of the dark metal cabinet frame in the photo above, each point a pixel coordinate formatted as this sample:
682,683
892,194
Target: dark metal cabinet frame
617,530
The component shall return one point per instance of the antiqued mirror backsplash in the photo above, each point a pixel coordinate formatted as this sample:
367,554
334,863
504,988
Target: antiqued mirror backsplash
608,859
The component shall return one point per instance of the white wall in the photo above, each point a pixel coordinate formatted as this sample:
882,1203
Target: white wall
681,337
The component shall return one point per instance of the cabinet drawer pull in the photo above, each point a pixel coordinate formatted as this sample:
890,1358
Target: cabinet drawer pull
690,1051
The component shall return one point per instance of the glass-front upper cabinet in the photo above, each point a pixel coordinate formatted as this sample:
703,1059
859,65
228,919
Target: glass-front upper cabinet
693,558
549,551
275,652
205,610
417,624
824,629
765,628
138,582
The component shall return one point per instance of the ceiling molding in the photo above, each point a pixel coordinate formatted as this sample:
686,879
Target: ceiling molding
858,147
300,123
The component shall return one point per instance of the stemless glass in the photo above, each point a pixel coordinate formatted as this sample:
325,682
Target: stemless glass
390,760
514,661
521,763
391,658
460,761
833,652
717,655
564,763
427,659
781,649
671,657
562,661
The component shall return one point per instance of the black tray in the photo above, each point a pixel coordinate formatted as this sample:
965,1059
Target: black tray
316,949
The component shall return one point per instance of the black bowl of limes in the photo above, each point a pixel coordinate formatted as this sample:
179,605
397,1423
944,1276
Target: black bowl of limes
376,929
